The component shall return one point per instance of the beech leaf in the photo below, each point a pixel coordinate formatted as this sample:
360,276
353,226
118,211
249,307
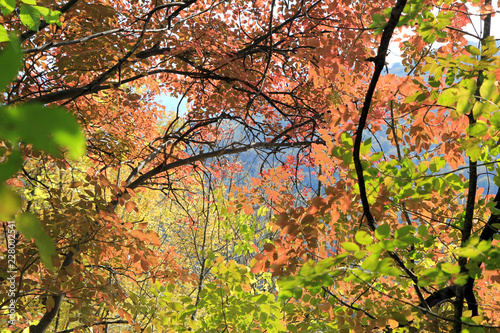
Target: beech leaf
383,231
478,129
7,6
351,247
31,228
364,238
4,36
30,17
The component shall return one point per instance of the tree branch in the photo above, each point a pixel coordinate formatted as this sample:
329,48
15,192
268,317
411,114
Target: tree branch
225,151
49,316
451,291
467,291
379,66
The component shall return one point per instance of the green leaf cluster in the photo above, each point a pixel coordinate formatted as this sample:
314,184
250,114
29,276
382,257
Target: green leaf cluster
46,129
229,302
30,15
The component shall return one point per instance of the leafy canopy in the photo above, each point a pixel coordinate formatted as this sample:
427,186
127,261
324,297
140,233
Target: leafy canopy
307,186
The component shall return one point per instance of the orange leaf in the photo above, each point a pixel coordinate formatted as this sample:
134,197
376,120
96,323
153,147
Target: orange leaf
145,265
248,209
130,205
75,184
325,307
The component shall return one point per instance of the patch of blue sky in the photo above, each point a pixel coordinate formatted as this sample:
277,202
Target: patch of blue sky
173,104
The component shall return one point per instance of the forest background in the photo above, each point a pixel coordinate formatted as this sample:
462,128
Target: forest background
305,187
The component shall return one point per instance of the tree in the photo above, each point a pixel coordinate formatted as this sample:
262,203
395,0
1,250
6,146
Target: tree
391,232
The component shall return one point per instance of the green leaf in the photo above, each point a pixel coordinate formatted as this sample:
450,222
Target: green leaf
470,85
50,16
347,157
288,283
454,181
324,265
422,168
185,299
4,36
47,129
404,231
414,97
10,60
462,279
378,20
371,263
346,139
448,97
350,246
422,230
390,270
484,246
30,17
29,2
463,104
10,202
383,231
473,50
469,252
488,88
495,119
431,272
450,268
478,129
474,153
400,318
31,228
364,238
10,167
377,156
8,6
365,146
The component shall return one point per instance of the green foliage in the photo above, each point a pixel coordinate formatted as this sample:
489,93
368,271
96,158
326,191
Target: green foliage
48,130
31,228
230,302
9,203
30,17
317,265
7,6
11,59
29,14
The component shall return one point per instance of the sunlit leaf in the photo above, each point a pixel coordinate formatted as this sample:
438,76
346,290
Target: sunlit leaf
7,6
47,129
478,129
4,36
350,246
31,228
10,203
30,17
362,237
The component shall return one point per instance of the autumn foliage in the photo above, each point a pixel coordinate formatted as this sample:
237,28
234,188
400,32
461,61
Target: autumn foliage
303,182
